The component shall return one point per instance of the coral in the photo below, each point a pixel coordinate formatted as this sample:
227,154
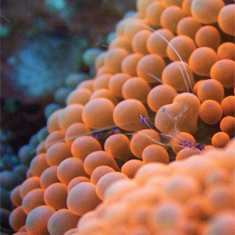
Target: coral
109,167
210,112
208,36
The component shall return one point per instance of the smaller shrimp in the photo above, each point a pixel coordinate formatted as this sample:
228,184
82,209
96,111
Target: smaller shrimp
182,143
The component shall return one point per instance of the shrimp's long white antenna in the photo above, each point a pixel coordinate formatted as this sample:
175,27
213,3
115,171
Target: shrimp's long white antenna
160,35
186,84
158,79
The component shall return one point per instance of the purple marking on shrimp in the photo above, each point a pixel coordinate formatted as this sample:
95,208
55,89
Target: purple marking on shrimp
192,145
97,135
113,131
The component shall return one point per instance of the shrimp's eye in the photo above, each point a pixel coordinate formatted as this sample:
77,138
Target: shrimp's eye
200,146
115,130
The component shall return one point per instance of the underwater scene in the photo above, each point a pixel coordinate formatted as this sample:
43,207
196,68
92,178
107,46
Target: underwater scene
117,117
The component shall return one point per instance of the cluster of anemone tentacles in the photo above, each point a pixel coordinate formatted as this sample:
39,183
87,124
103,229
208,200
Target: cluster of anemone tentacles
102,170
